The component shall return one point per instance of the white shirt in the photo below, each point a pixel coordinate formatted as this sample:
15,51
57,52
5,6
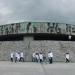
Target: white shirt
18,56
41,56
37,56
33,55
21,54
50,54
67,56
12,55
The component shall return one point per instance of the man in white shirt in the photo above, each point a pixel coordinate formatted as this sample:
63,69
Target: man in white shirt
67,57
50,57
12,56
21,57
41,57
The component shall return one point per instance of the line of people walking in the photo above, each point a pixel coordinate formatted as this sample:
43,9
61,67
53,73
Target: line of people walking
41,57
17,57
36,57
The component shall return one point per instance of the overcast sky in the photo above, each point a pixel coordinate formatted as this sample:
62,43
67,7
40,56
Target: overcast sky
62,11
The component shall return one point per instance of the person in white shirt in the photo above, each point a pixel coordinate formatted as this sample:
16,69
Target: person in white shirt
37,57
67,57
21,57
33,57
41,57
50,57
12,56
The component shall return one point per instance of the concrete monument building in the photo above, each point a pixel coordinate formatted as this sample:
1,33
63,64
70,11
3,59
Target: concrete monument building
35,36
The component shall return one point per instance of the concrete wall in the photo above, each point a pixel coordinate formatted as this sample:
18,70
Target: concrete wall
28,45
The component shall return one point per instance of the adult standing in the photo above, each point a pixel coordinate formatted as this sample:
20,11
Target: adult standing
12,57
50,57
67,57
21,57
41,57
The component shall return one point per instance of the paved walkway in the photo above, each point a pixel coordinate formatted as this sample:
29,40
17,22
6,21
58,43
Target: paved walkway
29,68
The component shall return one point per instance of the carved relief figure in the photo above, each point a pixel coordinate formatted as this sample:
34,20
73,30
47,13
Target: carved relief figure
28,26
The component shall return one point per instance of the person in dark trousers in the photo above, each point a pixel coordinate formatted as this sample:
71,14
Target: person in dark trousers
41,57
67,57
21,57
50,57
12,57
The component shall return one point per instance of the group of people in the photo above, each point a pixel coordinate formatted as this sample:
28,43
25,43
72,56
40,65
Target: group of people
41,57
36,57
17,56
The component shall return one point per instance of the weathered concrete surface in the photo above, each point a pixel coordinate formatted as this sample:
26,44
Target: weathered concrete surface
29,68
28,45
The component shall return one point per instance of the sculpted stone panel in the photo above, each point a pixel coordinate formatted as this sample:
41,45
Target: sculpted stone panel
37,27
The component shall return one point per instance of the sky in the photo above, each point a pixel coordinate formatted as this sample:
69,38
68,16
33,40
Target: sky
12,11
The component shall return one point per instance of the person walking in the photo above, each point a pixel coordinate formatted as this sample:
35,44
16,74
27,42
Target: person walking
50,57
21,57
41,57
12,57
67,57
